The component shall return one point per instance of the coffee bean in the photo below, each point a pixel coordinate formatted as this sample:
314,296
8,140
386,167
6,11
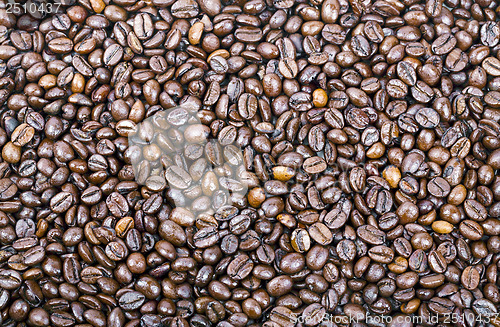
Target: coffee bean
315,313
427,118
475,210
113,55
316,139
212,94
143,26
206,237
178,177
22,135
346,250
34,255
10,279
490,34
443,44
381,253
440,305
442,227
131,300
403,247
248,34
247,105
492,66
437,262
470,278
61,202
282,316
288,68
62,319
185,9
314,165
117,204
82,66
483,307
300,240
61,45
357,118
320,233
471,229
91,196
371,234
8,189
240,267
406,73
438,187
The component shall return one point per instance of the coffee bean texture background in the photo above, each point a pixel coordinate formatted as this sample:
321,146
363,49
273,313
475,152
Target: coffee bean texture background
231,163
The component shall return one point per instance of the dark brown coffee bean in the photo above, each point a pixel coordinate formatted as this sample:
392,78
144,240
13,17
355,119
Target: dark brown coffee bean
357,118
10,279
441,305
61,202
335,218
381,254
471,230
178,177
371,235
117,204
247,105
490,34
470,278
288,68
82,66
437,262
224,163
240,267
438,187
131,300
427,118
62,319
61,45
443,44
314,165
248,34
206,237
475,210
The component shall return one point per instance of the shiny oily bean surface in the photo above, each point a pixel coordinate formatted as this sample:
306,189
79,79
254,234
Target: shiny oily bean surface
249,163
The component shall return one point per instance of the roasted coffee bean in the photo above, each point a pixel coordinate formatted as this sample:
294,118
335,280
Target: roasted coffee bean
471,230
438,187
300,240
247,105
274,163
441,305
470,278
206,237
10,279
178,177
240,267
113,55
131,300
437,262
490,34
61,202
475,210
371,234
381,254
427,118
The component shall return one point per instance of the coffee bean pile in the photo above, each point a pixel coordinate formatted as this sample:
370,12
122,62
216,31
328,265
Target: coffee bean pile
339,161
